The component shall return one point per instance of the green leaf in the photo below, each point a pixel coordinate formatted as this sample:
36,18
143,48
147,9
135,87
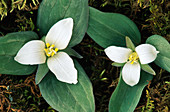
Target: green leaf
68,97
163,46
108,29
72,52
41,72
125,98
148,69
130,44
9,47
51,11
117,64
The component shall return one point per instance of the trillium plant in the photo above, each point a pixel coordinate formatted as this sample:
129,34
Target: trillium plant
132,59
62,81
59,62
121,41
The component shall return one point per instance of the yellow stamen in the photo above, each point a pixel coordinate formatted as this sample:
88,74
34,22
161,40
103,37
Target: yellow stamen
50,51
48,45
45,50
56,49
133,57
52,46
52,54
48,54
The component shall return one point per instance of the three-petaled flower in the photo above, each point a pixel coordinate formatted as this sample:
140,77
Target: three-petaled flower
133,59
59,62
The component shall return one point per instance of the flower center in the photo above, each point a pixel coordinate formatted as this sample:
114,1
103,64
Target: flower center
49,50
133,57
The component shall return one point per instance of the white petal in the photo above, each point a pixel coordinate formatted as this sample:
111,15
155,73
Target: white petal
118,54
63,67
31,53
60,33
131,73
147,53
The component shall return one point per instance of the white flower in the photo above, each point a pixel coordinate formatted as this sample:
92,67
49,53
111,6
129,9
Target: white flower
143,54
59,62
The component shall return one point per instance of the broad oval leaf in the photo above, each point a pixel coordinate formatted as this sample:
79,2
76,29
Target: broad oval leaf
125,98
68,97
163,46
108,29
51,11
9,46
